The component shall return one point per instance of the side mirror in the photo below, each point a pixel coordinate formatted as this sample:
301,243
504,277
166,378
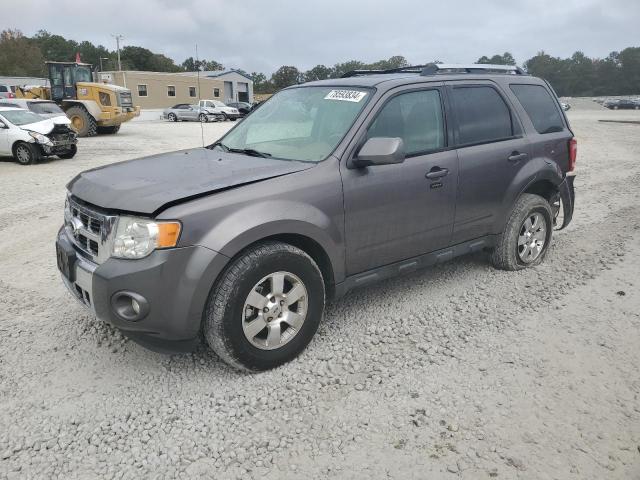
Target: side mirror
2,125
380,151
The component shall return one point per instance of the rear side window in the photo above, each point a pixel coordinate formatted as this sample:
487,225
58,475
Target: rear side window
482,114
416,117
540,107
3,88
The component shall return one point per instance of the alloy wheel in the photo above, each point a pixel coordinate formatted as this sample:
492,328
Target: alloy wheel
532,237
275,310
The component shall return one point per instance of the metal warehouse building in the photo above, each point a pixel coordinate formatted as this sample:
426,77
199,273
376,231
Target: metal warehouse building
161,90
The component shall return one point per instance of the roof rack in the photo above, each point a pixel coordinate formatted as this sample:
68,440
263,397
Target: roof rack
435,68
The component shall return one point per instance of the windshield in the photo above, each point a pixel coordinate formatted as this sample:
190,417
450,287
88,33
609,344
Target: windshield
304,123
45,107
83,74
21,117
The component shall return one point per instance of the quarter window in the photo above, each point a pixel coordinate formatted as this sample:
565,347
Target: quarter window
416,117
171,91
540,107
142,91
192,91
482,115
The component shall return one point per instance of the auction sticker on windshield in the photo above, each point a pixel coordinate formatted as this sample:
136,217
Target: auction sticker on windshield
345,95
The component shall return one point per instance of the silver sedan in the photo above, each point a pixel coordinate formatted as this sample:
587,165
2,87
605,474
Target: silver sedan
190,113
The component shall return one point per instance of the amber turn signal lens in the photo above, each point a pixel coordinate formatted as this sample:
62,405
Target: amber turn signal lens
168,233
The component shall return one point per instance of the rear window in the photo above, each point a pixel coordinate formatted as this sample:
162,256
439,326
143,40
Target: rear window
482,115
540,107
3,88
44,107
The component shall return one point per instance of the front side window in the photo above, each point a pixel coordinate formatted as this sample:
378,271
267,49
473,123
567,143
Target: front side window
540,107
171,91
416,117
482,115
192,91
142,91
304,123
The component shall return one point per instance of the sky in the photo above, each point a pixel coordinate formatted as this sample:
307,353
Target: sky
261,36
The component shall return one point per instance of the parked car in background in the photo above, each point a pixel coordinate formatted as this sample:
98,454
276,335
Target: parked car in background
27,137
565,106
243,107
183,112
229,113
44,108
621,103
6,91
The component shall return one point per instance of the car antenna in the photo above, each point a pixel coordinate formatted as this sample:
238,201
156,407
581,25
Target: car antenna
199,95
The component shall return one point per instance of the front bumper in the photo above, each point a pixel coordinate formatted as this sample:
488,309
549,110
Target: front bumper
110,119
175,284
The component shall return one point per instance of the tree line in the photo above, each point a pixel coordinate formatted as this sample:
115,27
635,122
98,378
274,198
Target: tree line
578,75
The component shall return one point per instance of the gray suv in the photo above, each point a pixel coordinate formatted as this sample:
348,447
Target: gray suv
328,186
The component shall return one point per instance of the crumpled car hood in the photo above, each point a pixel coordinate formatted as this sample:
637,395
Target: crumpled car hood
150,184
44,127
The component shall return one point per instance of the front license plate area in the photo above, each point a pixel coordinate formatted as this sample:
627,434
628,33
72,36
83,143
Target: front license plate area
66,257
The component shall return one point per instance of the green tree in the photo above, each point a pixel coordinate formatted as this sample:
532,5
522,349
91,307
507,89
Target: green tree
285,76
19,55
139,58
397,61
630,70
505,59
340,69
319,72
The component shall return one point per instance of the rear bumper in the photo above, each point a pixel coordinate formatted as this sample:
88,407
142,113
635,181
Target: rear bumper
174,285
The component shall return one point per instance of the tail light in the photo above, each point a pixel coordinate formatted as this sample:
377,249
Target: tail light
12,95
573,153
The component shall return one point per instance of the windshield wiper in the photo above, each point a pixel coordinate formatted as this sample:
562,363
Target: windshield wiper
250,151
247,151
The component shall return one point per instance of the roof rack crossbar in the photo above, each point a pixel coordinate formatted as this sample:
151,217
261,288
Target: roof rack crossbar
436,68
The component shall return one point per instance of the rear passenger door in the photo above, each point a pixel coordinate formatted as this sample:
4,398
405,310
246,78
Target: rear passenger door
491,149
396,212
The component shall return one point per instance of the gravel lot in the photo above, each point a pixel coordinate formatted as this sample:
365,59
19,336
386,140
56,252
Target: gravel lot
460,371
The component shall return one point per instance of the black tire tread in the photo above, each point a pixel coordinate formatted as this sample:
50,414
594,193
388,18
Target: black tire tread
221,296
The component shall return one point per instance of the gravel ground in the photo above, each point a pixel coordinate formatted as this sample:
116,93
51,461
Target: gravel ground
460,371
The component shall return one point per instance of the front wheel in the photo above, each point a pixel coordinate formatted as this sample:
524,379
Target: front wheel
527,235
26,153
265,308
172,117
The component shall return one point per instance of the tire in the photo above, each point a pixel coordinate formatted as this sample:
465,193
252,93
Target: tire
26,153
172,117
224,117
82,121
228,313
112,130
70,154
203,118
509,254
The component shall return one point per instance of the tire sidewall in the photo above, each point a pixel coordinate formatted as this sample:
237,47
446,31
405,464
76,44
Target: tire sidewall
30,149
231,330
544,209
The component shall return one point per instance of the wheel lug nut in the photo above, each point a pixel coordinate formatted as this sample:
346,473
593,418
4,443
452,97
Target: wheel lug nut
281,302
269,319
265,309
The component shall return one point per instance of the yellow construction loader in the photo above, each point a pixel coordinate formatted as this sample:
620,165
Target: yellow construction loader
92,107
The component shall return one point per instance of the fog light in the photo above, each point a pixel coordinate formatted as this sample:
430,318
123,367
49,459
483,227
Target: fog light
129,306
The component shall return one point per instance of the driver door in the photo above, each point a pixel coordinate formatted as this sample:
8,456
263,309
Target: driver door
4,138
396,212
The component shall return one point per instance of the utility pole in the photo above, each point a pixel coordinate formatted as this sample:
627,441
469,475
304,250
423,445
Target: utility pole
118,38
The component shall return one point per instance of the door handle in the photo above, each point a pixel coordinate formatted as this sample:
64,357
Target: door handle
437,172
517,156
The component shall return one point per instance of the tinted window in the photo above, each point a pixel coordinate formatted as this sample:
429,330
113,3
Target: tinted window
482,115
416,117
3,88
44,107
540,107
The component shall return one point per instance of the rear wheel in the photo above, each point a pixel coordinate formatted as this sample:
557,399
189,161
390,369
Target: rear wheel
70,154
26,153
527,235
265,308
82,121
112,130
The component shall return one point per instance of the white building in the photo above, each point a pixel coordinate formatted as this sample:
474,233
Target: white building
238,87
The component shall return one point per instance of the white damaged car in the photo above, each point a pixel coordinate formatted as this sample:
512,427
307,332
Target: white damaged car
27,137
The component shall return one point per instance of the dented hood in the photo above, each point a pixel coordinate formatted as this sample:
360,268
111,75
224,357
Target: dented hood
149,184
43,127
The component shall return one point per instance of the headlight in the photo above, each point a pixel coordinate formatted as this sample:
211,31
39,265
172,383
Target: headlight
39,137
138,237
